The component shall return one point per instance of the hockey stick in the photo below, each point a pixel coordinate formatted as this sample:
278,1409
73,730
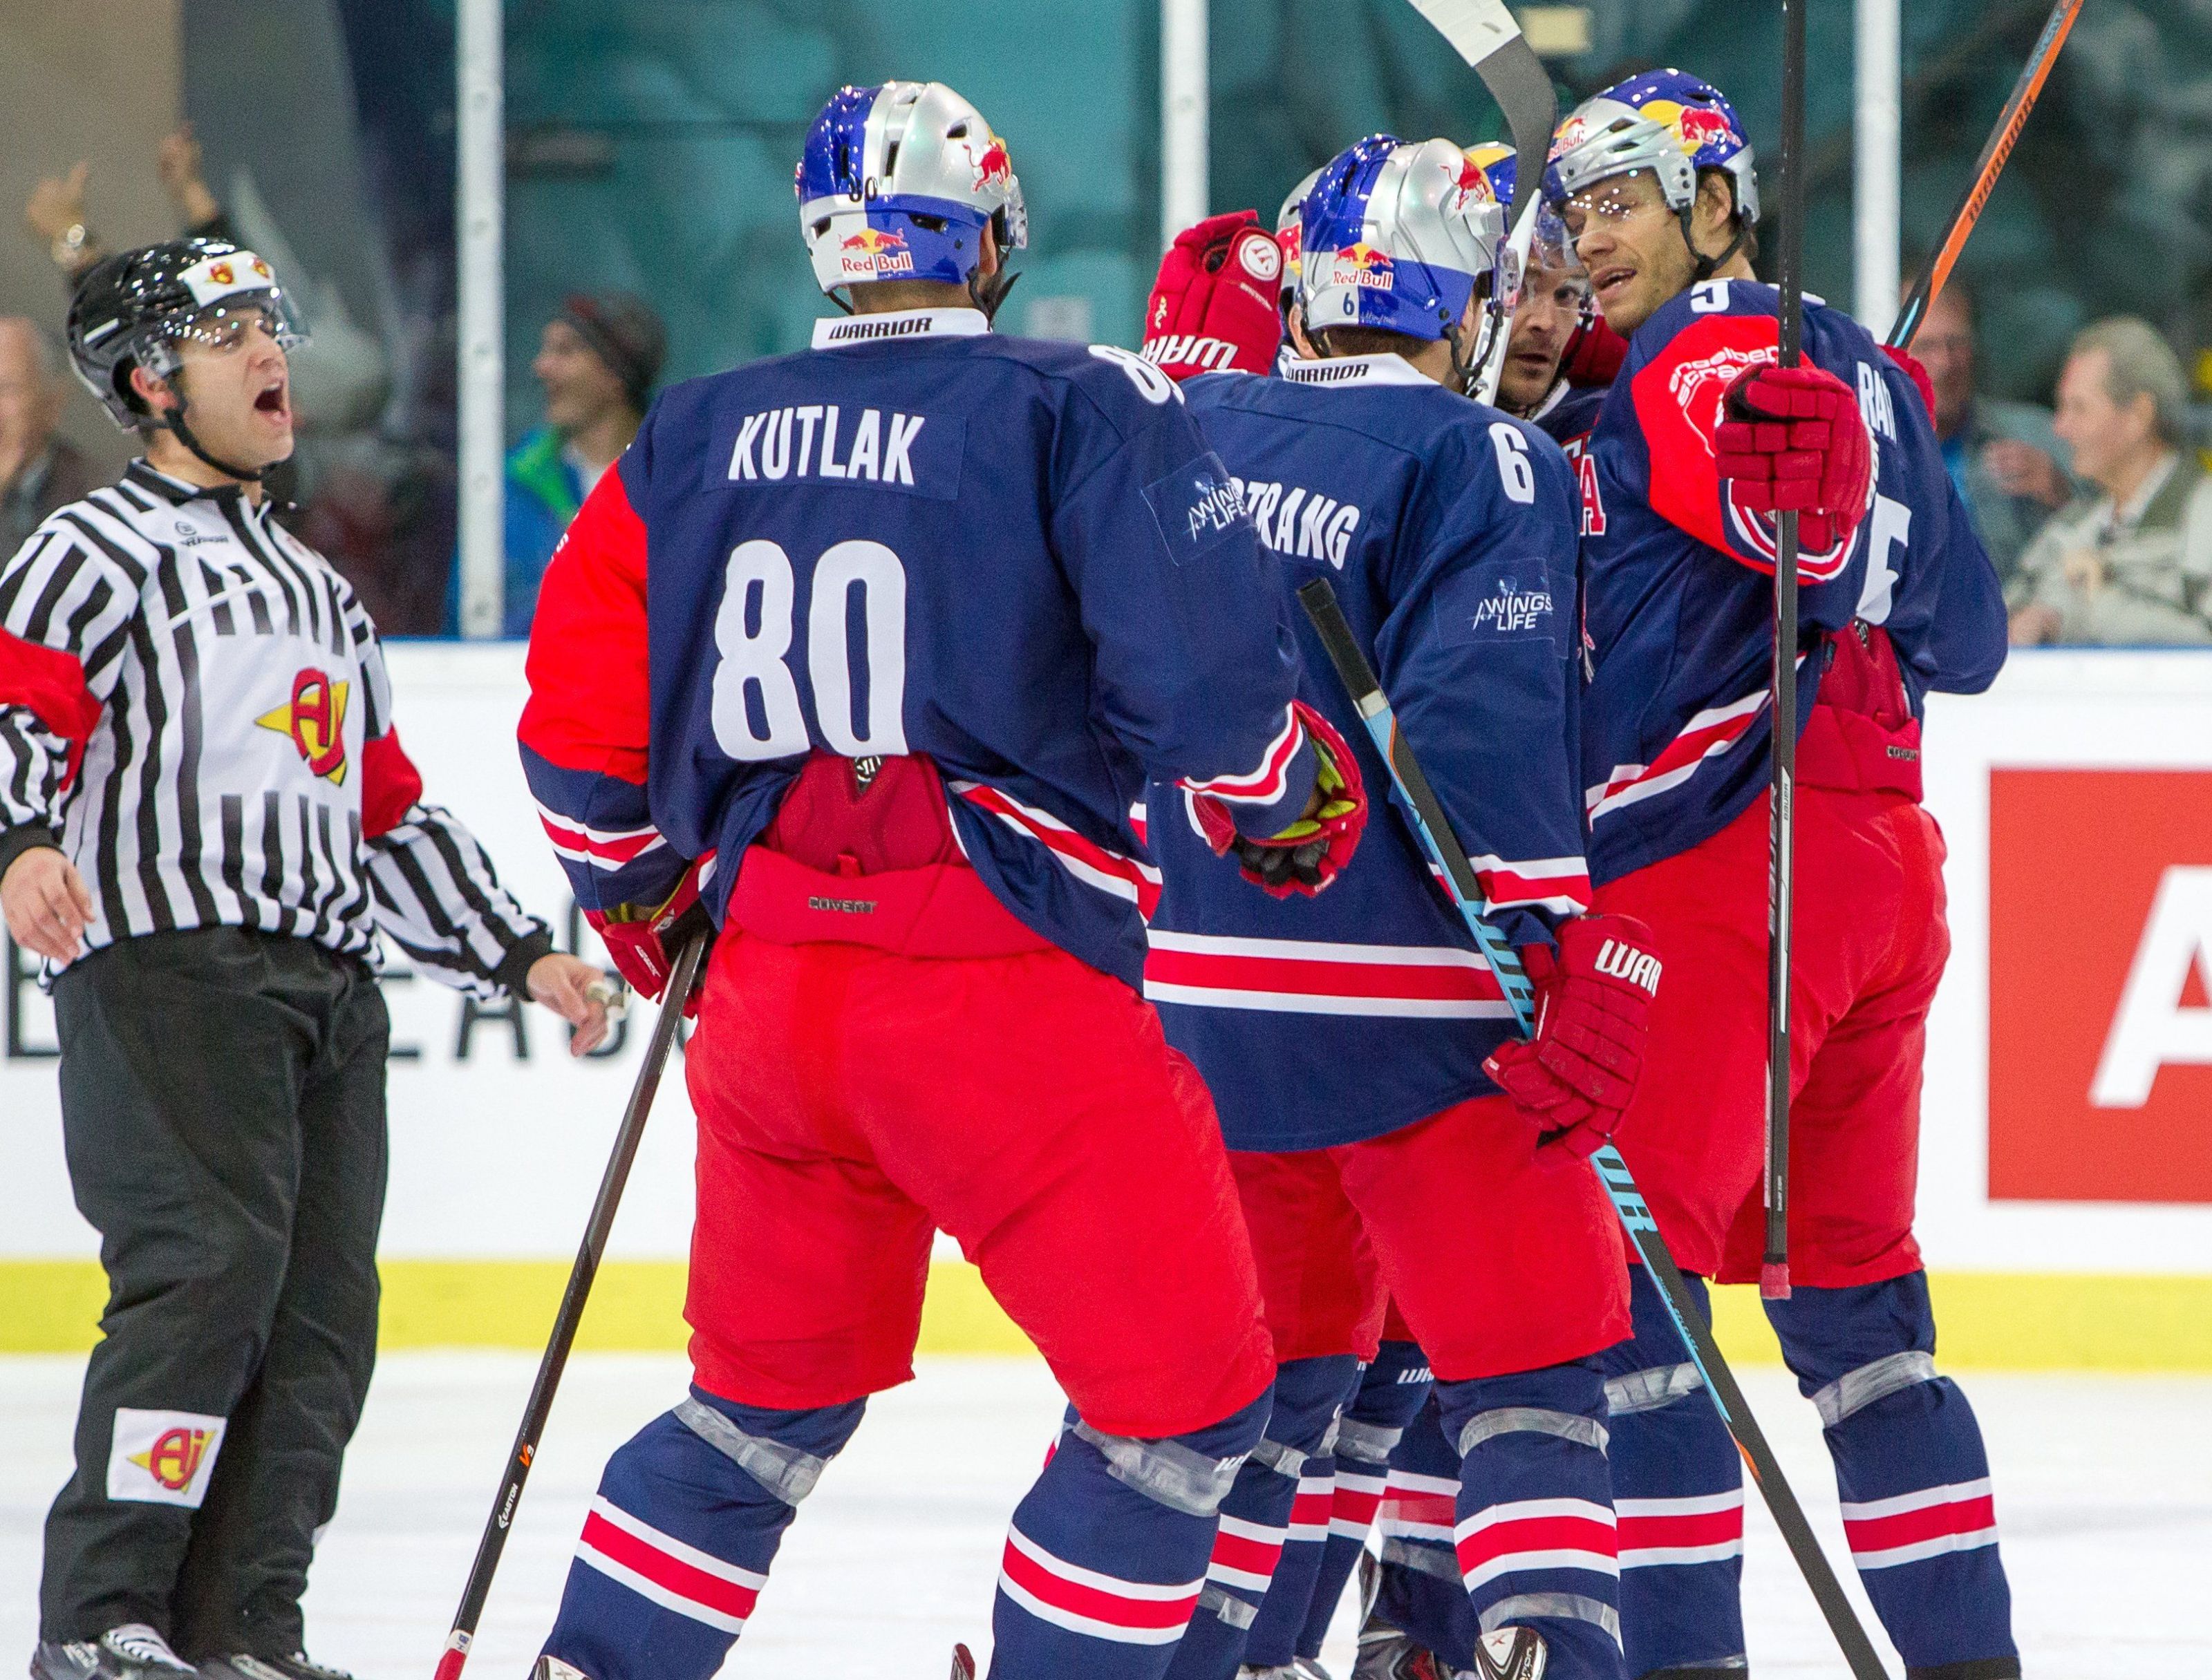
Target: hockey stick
571,1314
1434,828
1782,757
1484,34
1995,153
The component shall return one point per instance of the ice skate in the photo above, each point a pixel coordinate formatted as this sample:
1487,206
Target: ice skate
1510,1654
552,1668
963,1663
132,1651
246,1666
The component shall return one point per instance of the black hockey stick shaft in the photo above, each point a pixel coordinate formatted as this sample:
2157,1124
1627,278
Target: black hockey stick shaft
565,1322
1997,152
1433,828
1782,769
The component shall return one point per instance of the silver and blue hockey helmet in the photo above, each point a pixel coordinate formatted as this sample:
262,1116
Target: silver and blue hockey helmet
1666,121
1500,167
897,182
1396,235
1290,235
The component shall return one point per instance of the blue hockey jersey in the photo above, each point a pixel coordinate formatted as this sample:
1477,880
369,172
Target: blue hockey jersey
1676,716
1016,558
1448,532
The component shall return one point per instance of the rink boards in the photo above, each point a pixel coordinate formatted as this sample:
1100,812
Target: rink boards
2066,1169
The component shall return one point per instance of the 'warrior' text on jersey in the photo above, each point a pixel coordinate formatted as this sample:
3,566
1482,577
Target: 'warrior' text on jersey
1016,558
1448,532
1676,718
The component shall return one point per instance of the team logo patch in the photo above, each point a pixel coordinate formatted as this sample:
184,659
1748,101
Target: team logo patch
1700,386
214,278
314,717
1498,609
162,1457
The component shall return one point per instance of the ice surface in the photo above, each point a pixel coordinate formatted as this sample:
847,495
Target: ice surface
2104,1495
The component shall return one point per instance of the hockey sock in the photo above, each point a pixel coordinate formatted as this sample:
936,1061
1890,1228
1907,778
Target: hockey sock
1107,1557
1276,1514
1912,1471
678,1541
1419,1591
1678,1495
1391,1390
1535,1529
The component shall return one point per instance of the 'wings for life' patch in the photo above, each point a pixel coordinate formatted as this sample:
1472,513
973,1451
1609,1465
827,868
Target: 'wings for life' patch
1196,505
1495,609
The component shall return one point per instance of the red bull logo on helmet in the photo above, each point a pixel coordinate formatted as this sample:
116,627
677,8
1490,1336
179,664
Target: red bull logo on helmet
873,254
1695,126
1362,264
993,168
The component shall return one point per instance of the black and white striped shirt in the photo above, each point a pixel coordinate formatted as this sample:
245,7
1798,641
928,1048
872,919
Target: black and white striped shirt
194,707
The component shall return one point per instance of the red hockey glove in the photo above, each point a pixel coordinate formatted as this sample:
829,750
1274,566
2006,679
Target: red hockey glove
1313,850
1213,305
643,942
1794,441
1916,371
1594,354
1575,1077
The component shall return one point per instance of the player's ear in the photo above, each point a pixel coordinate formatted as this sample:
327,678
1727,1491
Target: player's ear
986,254
1715,209
154,392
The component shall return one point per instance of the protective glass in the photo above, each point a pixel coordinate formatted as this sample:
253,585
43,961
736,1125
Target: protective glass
1615,199
227,325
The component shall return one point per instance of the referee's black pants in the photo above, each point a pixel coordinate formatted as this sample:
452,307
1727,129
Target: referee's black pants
222,1102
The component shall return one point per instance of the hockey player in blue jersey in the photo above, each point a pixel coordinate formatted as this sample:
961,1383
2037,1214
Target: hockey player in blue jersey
1701,440
1346,1037
863,655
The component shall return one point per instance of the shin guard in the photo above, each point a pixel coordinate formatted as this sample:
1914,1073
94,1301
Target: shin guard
1255,1560
1391,1390
1534,1534
1912,1471
1107,1557
1678,1495
678,1541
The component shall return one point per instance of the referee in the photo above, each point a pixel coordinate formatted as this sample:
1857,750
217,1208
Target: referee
206,819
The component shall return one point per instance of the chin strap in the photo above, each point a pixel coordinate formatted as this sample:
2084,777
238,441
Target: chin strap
990,293
174,423
1707,267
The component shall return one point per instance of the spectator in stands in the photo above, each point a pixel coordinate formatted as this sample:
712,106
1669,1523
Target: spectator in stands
2003,456
2131,560
56,211
39,471
597,361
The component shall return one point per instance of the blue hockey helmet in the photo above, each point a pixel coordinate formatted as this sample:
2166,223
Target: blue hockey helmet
897,182
1395,236
1666,121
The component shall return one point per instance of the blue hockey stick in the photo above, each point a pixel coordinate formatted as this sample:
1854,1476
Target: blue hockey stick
1450,859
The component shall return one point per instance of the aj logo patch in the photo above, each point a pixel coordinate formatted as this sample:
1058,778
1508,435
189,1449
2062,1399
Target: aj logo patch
162,1457
315,720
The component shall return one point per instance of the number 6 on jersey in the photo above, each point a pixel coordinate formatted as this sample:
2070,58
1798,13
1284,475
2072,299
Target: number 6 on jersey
755,643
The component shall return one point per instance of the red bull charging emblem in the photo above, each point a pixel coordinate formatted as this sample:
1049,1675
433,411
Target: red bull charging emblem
1362,264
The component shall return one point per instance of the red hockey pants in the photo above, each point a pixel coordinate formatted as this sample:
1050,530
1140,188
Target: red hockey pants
850,1100
1870,945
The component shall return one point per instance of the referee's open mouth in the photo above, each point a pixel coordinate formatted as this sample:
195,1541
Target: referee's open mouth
275,401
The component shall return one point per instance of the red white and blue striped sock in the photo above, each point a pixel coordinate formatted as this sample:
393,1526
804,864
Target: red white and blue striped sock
1536,1532
1918,1511
676,1545
1108,1551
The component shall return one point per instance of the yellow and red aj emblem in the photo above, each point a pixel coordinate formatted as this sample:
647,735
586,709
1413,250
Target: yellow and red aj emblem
174,1458
315,720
